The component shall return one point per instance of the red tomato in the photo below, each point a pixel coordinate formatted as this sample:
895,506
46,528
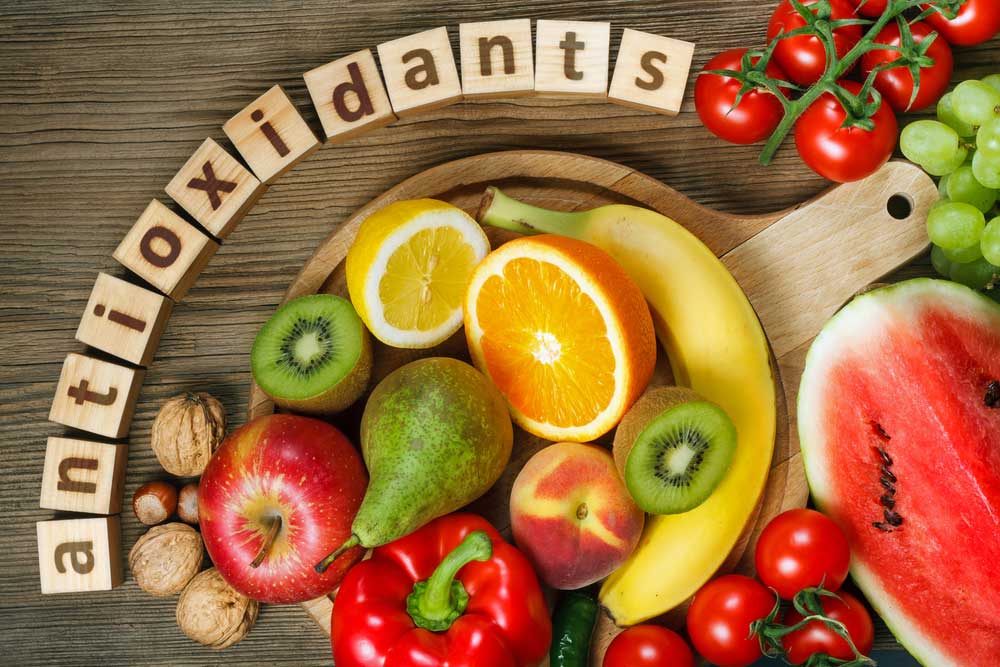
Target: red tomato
872,9
719,619
648,646
802,549
803,58
896,85
757,114
815,637
977,21
844,154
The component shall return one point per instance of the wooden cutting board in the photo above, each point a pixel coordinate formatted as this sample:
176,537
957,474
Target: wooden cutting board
797,266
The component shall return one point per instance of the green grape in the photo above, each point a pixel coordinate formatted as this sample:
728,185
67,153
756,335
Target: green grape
975,102
940,262
963,187
963,255
977,274
949,166
992,80
943,186
988,140
955,225
990,241
928,142
986,171
946,114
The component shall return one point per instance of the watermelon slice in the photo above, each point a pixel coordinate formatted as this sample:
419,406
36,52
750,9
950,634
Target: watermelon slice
899,420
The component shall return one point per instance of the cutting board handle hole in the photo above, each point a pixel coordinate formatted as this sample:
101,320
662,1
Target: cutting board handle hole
899,206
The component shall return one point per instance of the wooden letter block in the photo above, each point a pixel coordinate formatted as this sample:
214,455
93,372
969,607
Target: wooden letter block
651,72
420,72
165,251
79,555
124,320
83,476
496,58
215,189
349,96
96,396
271,135
571,58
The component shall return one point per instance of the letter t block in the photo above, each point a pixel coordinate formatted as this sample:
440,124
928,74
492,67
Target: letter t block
571,58
79,555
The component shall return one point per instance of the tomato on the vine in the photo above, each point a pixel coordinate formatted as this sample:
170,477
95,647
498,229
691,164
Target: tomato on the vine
802,548
873,8
896,84
720,617
648,646
976,22
803,57
840,153
757,114
816,637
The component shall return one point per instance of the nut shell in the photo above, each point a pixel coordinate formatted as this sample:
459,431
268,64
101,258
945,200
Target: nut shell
187,503
154,502
186,431
166,558
212,613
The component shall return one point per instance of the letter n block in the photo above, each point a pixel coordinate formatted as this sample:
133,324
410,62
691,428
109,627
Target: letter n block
349,96
165,251
496,58
571,58
271,135
124,320
651,72
215,189
420,72
83,476
96,396
79,555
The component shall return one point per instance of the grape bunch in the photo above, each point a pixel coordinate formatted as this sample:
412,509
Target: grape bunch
962,147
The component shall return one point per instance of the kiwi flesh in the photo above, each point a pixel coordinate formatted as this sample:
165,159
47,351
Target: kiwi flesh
672,449
313,355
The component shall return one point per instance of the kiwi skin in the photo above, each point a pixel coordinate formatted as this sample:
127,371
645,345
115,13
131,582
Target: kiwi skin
653,402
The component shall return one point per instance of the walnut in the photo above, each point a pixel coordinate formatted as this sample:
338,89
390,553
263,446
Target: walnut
186,431
212,613
166,558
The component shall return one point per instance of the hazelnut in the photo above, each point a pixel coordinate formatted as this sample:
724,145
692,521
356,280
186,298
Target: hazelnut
166,558
212,613
154,502
186,431
187,503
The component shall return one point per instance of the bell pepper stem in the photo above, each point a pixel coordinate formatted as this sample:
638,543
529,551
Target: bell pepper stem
498,210
350,543
437,602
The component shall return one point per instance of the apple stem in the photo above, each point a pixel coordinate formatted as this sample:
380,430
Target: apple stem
351,542
265,546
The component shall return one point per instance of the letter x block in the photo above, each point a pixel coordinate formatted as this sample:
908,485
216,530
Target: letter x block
215,189
124,320
497,59
83,476
349,96
79,555
571,58
420,72
96,396
651,72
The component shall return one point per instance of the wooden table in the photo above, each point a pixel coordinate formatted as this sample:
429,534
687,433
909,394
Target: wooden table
100,107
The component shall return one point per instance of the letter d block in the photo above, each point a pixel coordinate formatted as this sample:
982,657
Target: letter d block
349,96
79,555
651,72
83,476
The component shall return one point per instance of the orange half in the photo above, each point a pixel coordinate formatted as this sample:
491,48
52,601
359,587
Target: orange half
564,334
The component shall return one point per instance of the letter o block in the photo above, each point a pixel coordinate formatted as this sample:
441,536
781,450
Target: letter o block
83,476
349,96
79,555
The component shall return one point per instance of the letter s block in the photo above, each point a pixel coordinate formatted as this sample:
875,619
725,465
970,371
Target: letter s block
83,476
651,72
349,96
79,555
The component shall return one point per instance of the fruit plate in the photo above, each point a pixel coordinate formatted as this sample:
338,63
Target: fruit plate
797,267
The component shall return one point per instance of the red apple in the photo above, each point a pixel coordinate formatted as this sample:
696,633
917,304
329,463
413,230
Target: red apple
276,497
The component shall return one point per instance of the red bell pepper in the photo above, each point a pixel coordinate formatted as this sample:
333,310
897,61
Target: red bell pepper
453,593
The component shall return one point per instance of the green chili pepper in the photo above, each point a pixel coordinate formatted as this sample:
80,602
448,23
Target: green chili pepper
572,627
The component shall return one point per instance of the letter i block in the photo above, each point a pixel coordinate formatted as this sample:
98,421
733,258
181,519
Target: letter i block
165,251
271,135
571,58
83,476
420,72
96,396
651,72
349,96
496,59
79,555
215,189
124,320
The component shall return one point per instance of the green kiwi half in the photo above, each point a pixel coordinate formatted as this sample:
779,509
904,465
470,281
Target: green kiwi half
313,355
672,449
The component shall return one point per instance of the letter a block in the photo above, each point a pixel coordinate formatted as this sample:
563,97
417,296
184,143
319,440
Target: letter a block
83,476
651,72
79,555
96,396
215,189
349,96
571,58
420,72
497,59
124,320
165,251
271,135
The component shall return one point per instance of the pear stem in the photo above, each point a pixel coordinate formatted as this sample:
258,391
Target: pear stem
265,546
350,543
498,210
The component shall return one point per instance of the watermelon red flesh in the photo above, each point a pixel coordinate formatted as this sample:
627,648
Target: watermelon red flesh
907,368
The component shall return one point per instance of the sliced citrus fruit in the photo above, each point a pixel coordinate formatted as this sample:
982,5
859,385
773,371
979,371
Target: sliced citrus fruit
563,332
408,269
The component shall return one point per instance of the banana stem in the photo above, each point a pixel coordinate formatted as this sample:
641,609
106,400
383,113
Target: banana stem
499,210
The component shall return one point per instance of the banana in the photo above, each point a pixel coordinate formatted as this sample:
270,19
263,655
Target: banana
717,347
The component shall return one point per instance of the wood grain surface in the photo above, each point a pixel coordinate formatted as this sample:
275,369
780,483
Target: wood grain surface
102,103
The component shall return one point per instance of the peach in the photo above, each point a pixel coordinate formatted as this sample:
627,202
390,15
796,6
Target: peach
572,515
